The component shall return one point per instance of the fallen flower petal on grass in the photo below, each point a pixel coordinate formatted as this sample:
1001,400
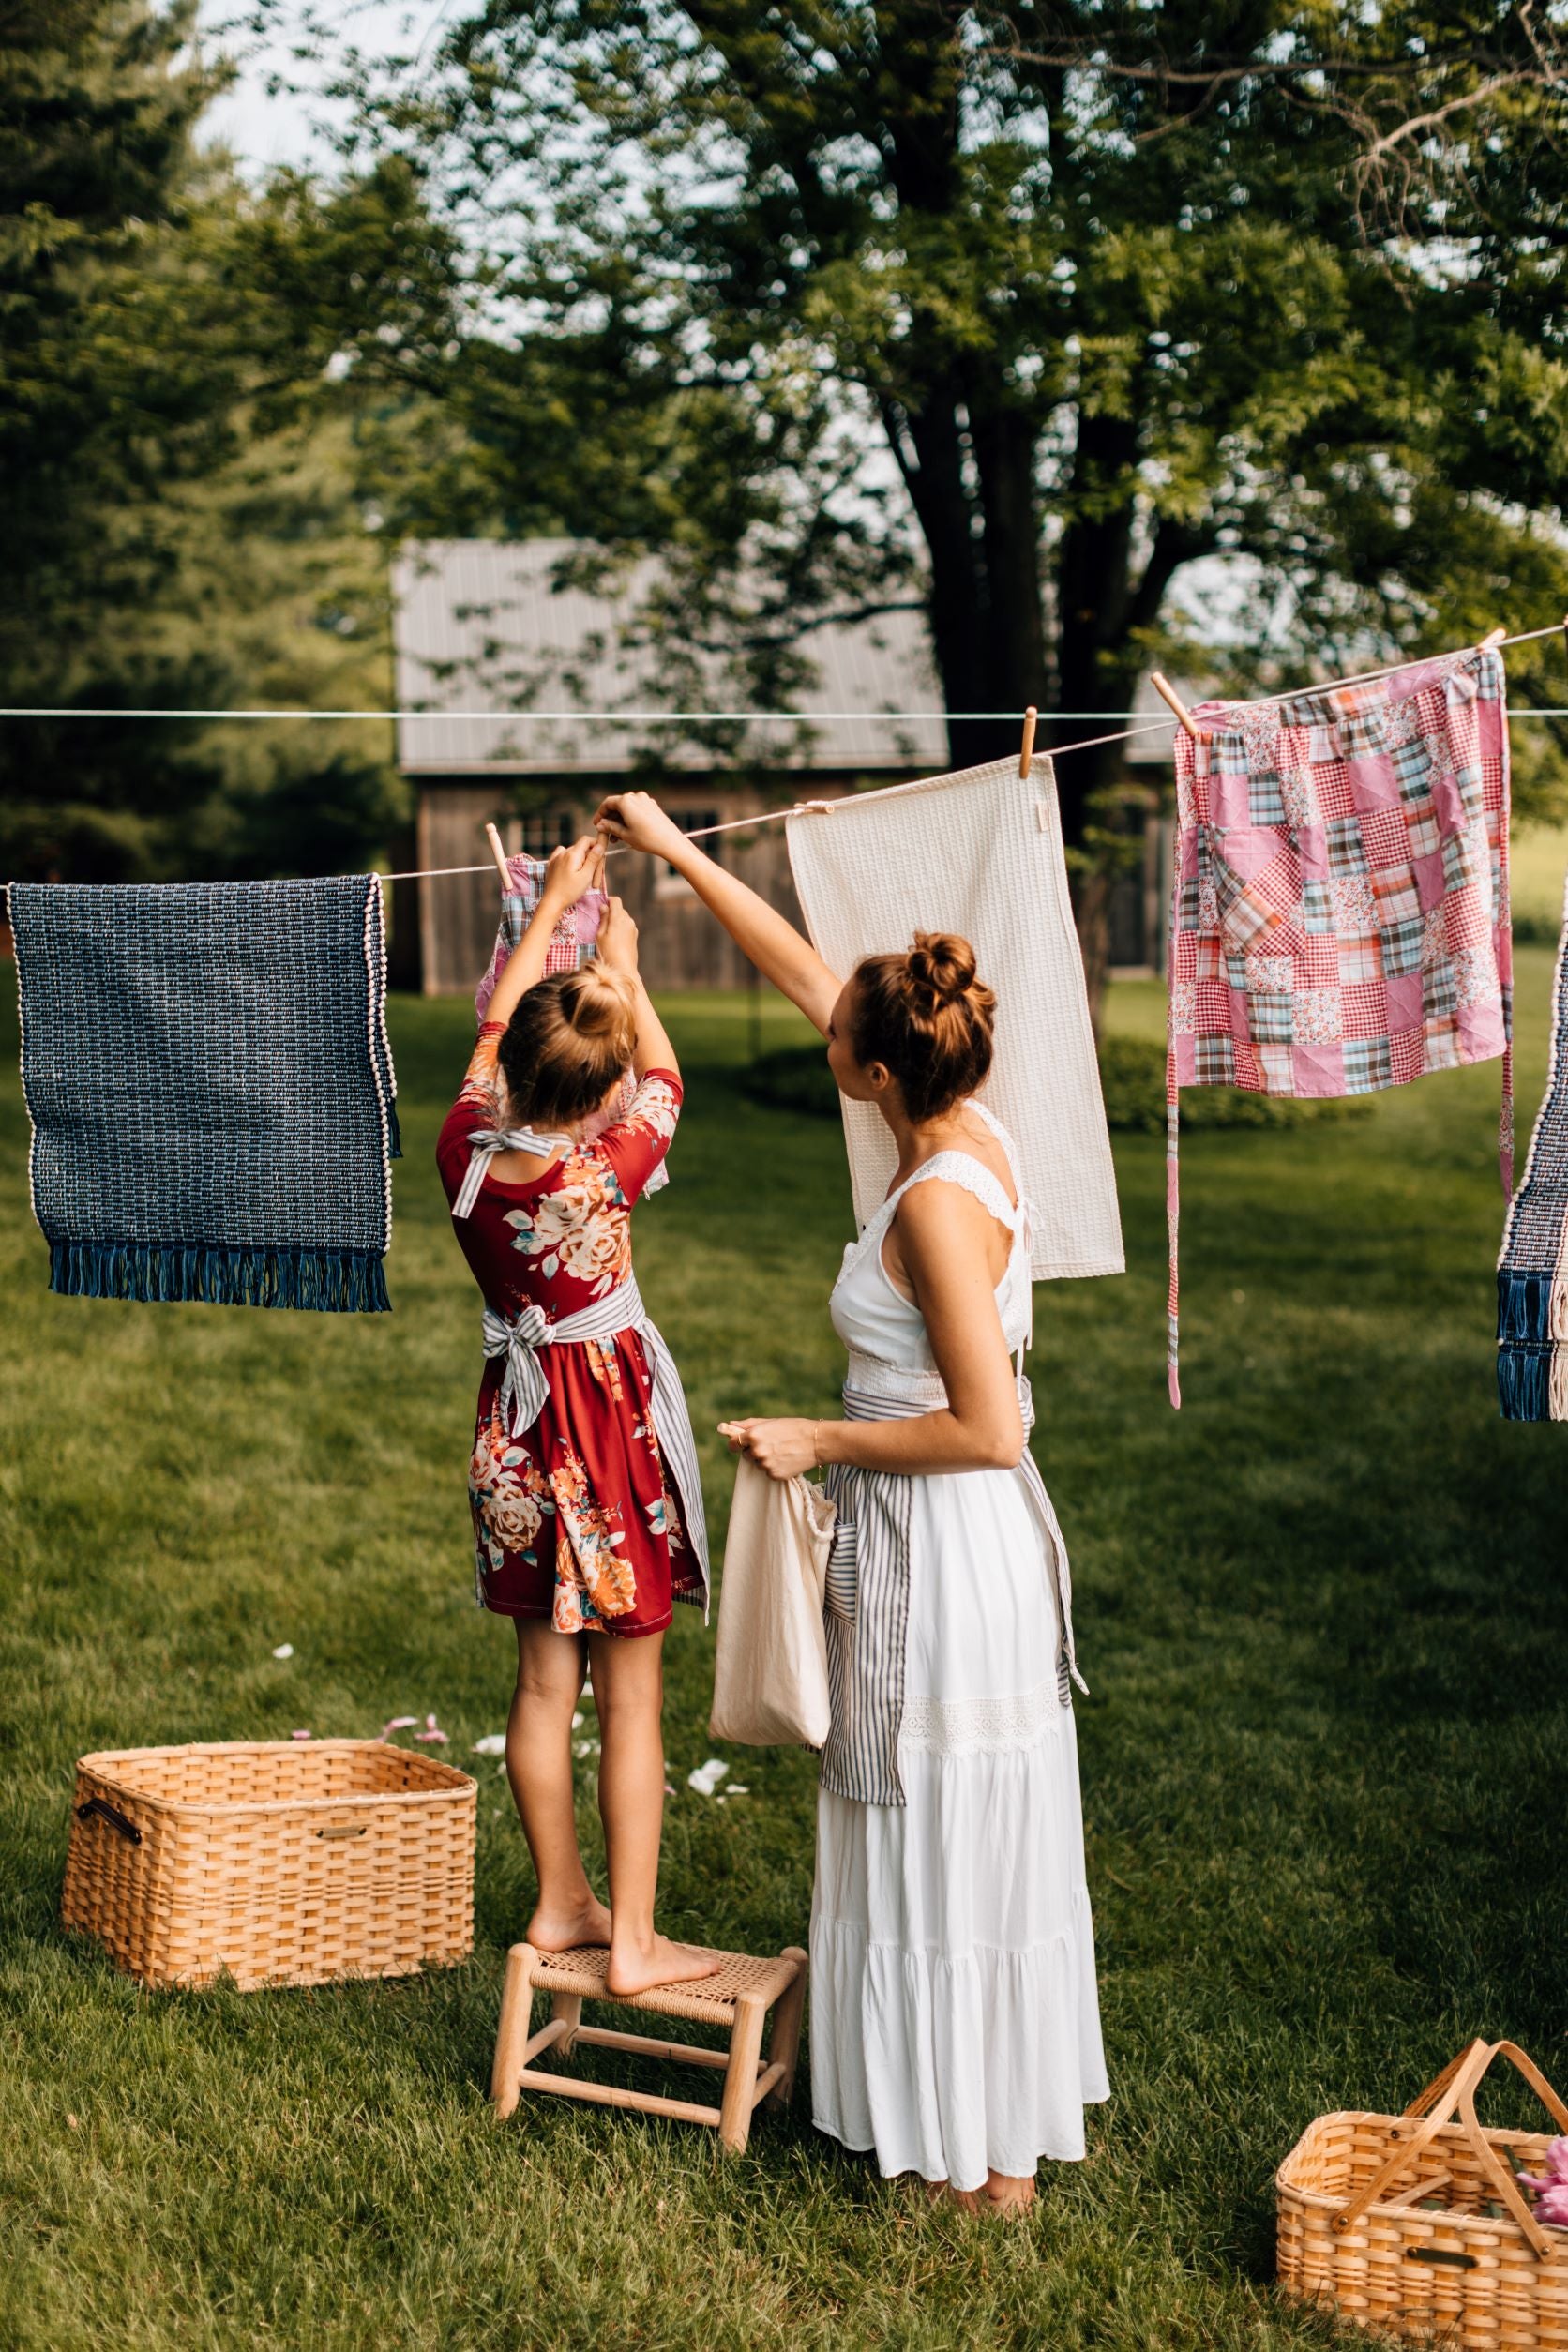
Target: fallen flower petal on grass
398,1723
285,1649
301,1735
493,1743
705,1779
432,1734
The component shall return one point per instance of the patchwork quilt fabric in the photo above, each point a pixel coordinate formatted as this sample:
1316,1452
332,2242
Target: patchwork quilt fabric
1339,907
571,941
1533,1270
208,1076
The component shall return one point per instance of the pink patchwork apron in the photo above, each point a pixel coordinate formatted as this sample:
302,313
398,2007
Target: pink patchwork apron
1339,905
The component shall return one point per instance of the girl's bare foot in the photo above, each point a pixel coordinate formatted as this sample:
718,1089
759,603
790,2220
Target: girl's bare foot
559,1930
639,1968
1006,2193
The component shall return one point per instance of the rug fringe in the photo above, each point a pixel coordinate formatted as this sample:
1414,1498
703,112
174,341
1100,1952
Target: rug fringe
333,1281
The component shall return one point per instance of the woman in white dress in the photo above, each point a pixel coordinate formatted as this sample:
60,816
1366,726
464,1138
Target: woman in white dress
954,2022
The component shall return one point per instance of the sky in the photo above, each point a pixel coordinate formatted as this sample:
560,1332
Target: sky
265,126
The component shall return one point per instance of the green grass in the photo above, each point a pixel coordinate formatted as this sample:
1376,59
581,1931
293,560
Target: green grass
1538,855
1323,1615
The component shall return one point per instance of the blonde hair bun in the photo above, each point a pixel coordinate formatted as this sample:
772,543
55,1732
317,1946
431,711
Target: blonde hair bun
568,1044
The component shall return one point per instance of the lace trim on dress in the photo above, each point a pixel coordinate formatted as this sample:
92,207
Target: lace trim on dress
998,1724
971,1175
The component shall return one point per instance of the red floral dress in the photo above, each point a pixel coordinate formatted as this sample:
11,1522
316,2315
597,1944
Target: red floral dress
573,1519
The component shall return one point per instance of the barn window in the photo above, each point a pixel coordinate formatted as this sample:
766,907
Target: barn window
538,832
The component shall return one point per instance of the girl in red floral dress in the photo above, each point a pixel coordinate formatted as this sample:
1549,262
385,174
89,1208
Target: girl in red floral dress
587,1514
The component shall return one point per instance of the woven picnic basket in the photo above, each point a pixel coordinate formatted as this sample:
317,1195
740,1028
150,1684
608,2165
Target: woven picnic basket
284,1861
1415,2224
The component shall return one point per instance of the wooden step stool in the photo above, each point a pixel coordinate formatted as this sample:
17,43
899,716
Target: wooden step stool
737,1999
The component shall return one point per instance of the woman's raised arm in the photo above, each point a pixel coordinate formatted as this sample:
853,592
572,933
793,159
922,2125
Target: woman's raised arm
760,931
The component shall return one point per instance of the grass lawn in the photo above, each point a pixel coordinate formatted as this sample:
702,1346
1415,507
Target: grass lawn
1323,1614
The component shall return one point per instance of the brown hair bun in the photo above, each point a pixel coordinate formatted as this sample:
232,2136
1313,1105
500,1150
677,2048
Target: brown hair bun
942,962
567,1043
929,1018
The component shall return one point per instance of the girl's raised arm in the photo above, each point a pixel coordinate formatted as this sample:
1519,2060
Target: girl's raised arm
571,871
760,931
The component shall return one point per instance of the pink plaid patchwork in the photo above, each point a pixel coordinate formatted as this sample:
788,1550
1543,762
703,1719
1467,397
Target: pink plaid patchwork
1339,907
571,941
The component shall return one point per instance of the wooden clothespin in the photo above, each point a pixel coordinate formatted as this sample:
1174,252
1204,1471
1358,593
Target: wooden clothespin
1026,754
499,854
1494,639
1168,693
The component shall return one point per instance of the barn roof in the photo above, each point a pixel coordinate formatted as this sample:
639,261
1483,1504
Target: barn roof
480,626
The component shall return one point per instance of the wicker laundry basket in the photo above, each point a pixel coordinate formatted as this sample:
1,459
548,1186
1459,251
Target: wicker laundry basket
284,1861
1414,2224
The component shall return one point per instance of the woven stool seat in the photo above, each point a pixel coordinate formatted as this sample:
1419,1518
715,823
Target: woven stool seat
710,2001
735,2001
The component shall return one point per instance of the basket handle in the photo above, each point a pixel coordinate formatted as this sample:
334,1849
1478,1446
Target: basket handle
106,1812
1451,2098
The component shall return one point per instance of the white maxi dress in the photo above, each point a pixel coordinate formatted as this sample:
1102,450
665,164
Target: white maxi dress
955,2019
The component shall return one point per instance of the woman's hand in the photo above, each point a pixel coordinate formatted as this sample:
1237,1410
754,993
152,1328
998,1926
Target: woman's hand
782,1447
571,871
618,938
636,820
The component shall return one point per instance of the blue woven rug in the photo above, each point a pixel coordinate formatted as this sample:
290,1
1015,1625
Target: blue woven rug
210,1084
1533,1270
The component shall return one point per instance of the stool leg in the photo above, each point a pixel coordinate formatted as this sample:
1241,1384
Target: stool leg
570,2006
784,2040
740,2076
511,2039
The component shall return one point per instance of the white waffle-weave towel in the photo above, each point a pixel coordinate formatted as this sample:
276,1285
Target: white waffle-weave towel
979,852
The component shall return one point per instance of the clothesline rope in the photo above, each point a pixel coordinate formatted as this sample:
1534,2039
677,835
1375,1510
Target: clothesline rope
772,816
1321,685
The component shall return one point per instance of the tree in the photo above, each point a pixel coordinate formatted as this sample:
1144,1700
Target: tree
168,401
1025,313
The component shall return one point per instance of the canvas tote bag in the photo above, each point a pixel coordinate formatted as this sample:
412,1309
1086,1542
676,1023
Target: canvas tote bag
770,1666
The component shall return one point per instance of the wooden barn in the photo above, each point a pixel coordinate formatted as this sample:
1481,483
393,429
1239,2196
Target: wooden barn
482,627
496,655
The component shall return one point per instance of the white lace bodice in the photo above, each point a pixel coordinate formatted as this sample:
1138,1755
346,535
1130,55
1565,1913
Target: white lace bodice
875,1320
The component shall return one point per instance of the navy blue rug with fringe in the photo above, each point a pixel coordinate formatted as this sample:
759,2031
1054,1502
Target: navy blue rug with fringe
208,1076
1533,1270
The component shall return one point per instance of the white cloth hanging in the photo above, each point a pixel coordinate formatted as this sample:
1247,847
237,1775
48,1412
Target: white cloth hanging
979,852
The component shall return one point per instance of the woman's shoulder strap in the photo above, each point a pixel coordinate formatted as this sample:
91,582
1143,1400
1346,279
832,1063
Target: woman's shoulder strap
972,1176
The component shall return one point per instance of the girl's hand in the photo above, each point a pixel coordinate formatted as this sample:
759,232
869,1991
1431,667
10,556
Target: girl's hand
782,1447
637,818
618,938
571,871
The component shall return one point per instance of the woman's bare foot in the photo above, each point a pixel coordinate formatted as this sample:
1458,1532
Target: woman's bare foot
561,1930
1007,2192
943,2192
637,1968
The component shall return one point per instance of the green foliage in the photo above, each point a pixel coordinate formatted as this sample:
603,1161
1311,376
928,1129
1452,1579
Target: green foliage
186,493
1106,290
1132,1076
1319,1612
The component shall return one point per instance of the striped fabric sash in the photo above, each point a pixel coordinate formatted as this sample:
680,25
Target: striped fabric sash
487,1142
524,1388
868,1586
